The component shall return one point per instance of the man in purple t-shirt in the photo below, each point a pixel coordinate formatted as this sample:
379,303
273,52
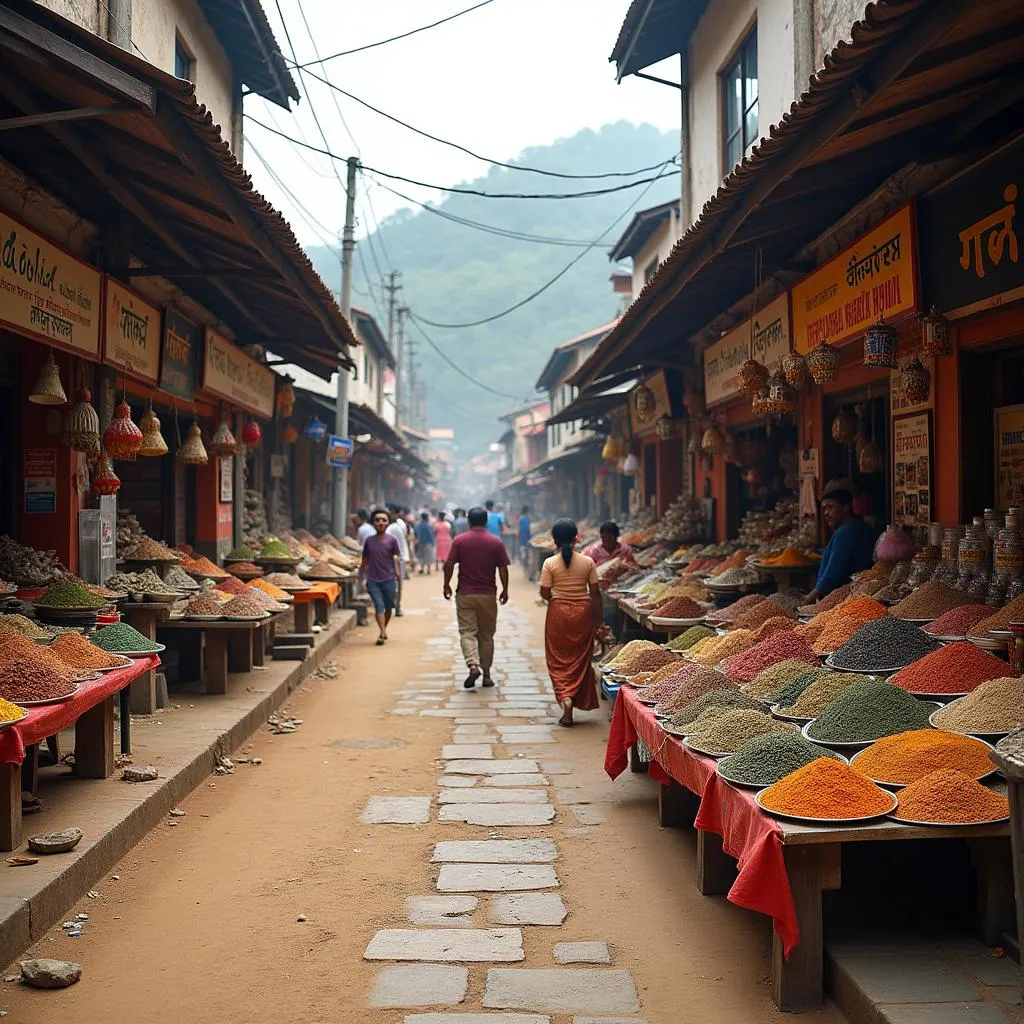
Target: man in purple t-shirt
478,554
380,570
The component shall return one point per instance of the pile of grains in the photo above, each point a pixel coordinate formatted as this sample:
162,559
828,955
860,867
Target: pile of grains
810,631
662,690
764,760
32,680
687,639
836,597
737,608
731,729
74,650
244,606
908,756
790,600
836,632
242,554
771,680
150,583
820,693
245,569
323,569
25,626
865,609
784,646
695,683
869,710
950,797
10,712
714,650
647,660
149,550
723,698
826,788
994,707
232,586
929,601
69,595
667,671
679,608
203,604
120,638
734,576
789,694
955,668
885,643
202,566
958,621
1013,612
268,603
15,647
274,549
625,652
180,580
269,589
778,624
767,609
1012,746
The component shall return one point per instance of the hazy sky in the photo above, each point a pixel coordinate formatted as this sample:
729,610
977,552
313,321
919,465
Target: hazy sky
512,74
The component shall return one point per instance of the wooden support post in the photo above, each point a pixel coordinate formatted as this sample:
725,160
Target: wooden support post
30,769
215,660
302,617
240,643
716,870
10,806
995,899
94,741
143,689
677,806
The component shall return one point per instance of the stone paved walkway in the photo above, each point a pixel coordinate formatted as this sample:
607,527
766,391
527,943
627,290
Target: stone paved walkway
499,770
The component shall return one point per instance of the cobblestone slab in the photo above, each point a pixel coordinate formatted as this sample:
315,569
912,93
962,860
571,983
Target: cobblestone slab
450,911
561,990
463,945
493,796
476,877
463,781
477,1018
514,766
607,1020
419,985
582,953
515,781
539,908
586,815
397,810
463,751
508,815
496,851
557,767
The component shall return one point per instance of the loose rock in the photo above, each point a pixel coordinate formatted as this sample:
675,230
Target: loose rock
140,773
46,973
56,842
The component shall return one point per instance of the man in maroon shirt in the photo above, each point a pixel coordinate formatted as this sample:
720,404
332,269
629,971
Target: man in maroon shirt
478,554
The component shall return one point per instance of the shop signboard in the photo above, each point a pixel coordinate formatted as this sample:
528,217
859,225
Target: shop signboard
766,338
1009,425
339,452
46,292
876,276
662,406
180,355
230,374
226,469
971,257
40,481
912,469
131,332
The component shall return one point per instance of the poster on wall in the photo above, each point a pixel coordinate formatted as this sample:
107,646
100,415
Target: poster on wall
40,481
912,469
227,480
1009,455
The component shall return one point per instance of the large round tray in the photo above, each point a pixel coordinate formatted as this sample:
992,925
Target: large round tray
136,655
987,643
882,671
826,821
15,721
789,718
49,700
68,613
900,785
164,598
202,618
126,662
292,561
948,824
837,745
247,618
946,639
662,620
988,737
293,590
706,753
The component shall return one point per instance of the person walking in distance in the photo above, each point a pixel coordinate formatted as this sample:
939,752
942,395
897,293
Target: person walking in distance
397,530
380,571
495,520
442,539
568,582
461,523
478,554
364,528
425,543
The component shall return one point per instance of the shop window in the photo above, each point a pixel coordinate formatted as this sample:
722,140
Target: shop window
650,270
739,104
184,62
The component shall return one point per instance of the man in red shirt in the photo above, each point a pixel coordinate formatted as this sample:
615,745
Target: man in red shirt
478,554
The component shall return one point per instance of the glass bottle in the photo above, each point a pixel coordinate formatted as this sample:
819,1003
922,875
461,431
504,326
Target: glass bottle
973,560
948,567
1007,562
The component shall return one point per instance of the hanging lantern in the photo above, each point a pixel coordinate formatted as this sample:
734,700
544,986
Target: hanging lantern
610,449
753,377
693,399
82,425
285,399
289,434
251,434
844,427
153,443
223,443
193,451
713,441
915,382
644,403
315,430
935,334
870,458
794,369
105,480
880,341
48,389
780,395
823,363
759,403
730,447
122,439
667,428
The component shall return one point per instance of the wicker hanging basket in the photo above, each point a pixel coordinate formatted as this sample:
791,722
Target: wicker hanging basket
753,377
105,481
48,389
780,395
915,382
935,334
880,341
82,425
122,439
713,442
153,443
795,370
844,427
193,451
223,443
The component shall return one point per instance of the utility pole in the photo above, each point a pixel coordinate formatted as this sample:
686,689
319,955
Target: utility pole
348,245
391,287
400,405
411,385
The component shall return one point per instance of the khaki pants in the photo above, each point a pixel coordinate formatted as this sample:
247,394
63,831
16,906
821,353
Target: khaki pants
478,618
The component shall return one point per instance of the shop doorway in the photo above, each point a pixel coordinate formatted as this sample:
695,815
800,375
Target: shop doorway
860,417
764,470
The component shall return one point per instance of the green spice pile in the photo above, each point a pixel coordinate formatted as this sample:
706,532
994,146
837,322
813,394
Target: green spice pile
70,595
731,729
764,760
25,626
995,706
274,549
887,642
867,711
686,640
796,686
820,693
242,554
120,638
768,682
722,698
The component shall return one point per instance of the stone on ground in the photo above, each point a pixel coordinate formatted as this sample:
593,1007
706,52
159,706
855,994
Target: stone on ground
493,796
582,953
498,814
46,973
397,810
586,815
453,911
420,985
494,767
457,751
496,877
561,990
512,780
496,851
464,945
462,781
477,1018
539,908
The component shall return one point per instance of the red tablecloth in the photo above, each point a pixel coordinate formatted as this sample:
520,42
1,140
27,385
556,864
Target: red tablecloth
51,718
748,834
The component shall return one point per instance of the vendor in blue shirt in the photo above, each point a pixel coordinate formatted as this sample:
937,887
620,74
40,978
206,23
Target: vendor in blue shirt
850,548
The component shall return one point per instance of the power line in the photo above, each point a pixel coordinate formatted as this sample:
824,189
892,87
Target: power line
403,35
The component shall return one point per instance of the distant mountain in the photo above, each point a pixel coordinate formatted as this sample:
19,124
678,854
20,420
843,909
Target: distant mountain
454,274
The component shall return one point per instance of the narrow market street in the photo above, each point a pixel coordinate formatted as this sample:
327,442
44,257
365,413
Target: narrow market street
261,900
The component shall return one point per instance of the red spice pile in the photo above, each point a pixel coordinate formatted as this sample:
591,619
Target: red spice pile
233,586
957,621
741,668
737,608
245,569
955,668
679,608
761,613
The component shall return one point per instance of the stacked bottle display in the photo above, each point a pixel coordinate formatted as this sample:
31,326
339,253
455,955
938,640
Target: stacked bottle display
973,560
948,569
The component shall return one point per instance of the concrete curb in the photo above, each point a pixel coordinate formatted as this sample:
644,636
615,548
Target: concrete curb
24,924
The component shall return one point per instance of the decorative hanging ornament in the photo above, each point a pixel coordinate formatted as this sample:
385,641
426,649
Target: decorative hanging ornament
870,460
82,425
285,399
935,334
289,434
630,464
759,403
794,368
315,430
753,377
644,403
667,428
193,451
713,441
780,395
105,481
823,363
223,443
251,434
844,427
915,382
122,439
609,450
880,341
153,443
48,389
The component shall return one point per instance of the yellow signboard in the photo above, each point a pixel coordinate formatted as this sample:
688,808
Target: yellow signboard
131,332
767,340
876,276
47,293
232,375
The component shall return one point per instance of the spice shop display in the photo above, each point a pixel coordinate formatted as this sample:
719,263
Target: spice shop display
765,760
995,708
179,580
275,550
733,611
78,653
782,646
682,722
17,648
696,682
646,658
241,554
120,638
69,597
949,797
753,617
691,636
958,622
819,693
731,729
201,568
244,607
867,711
1013,612
826,790
908,756
149,550
794,689
32,682
929,601
323,571
267,602
276,593
885,644
232,586
245,570
26,626
954,669
679,608
204,606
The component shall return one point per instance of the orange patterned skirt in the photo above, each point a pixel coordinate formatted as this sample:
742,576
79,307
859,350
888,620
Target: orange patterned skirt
568,647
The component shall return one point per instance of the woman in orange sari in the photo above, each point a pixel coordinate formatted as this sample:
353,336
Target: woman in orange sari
568,582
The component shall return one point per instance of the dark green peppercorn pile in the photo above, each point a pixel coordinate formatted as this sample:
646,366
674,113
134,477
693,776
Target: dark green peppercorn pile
788,694
868,711
887,642
120,638
764,760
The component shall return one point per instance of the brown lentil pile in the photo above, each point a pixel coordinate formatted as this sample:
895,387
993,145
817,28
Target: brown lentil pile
1012,612
994,707
25,680
820,693
661,691
245,606
623,661
731,729
929,601
722,647
232,586
769,608
771,680
737,608
74,650
724,699
203,604
14,647
149,550
649,660
286,580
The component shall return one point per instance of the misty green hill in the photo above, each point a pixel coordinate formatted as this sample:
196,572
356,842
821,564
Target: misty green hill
453,274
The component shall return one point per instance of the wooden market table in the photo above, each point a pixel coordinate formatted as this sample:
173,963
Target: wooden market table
144,616
317,600
91,711
642,618
781,869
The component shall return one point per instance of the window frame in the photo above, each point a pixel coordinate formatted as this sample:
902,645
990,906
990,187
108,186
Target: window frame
183,51
740,61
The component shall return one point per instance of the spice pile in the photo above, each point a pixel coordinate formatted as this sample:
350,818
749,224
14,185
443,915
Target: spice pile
70,596
684,719
203,605
245,569
10,712
242,554
885,643
26,566
716,648
697,681
245,606
958,621
15,647
731,612
908,756
790,557
232,586
782,646
819,694
826,789
150,583
831,600
180,580
950,797
74,650
269,589
266,601
793,690
647,659
687,639
323,570
286,580
149,550
274,550
997,706
1013,612
120,638
764,760
955,668
679,608
202,566
867,711
730,729
761,612
23,680
929,601
768,682
25,626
